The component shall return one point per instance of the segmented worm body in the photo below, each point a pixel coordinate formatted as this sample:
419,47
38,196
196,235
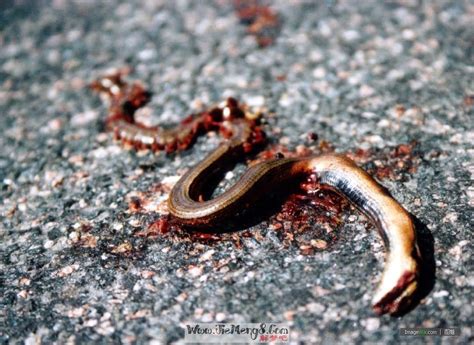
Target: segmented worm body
400,277
124,99
399,280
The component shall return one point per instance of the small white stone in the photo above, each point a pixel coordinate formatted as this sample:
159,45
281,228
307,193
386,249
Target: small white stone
372,324
315,308
384,123
368,115
48,244
90,323
255,101
408,34
374,139
220,317
207,317
439,294
170,180
182,297
106,316
32,339
285,101
117,226
147,54
207,255
366,91
195,271
319,73
316,56
350,35
81,119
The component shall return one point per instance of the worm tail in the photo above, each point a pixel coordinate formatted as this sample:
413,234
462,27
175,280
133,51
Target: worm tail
399,279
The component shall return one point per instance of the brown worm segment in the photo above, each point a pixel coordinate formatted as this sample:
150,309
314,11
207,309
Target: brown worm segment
399,279
125,99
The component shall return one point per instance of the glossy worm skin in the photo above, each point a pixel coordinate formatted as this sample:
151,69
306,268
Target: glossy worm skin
399,279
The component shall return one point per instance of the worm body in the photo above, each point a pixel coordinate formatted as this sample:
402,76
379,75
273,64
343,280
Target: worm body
399,279
157,138
125,99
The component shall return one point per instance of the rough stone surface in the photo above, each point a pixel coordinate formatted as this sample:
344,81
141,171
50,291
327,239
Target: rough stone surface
359,74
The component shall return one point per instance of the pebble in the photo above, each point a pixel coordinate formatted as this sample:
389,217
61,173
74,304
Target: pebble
195,271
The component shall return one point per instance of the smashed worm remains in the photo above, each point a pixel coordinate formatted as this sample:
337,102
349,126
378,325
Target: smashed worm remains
125,99
241,134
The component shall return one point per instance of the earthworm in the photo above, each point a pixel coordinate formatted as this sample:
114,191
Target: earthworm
125,98
401,273
400,277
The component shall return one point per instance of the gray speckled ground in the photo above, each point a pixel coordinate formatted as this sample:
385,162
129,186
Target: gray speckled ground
72,269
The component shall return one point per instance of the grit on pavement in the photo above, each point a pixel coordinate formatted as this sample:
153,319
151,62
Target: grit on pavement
367,75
